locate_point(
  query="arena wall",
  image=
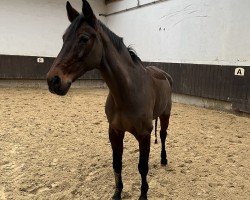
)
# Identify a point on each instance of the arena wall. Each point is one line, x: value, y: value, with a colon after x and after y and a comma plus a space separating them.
x: 200, y: 43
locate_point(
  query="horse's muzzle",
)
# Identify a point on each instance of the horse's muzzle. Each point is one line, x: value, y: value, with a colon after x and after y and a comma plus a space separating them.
x: 56, y: 86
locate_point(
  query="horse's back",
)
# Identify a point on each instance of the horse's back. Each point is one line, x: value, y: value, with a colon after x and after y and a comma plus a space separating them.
x: 159, y: 74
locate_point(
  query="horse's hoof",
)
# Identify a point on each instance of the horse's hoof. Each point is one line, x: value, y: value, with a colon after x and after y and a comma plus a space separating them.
x: 116, y: 196
x: 164, y: 162
x: 143, y: 198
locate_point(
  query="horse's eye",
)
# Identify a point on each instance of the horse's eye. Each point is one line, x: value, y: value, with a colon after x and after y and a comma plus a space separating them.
x: 84, y: 39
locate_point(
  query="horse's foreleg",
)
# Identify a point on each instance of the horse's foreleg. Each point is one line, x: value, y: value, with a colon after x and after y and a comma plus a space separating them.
x: 144, y: 146
x: 163, y: 134
x: 116, y: 139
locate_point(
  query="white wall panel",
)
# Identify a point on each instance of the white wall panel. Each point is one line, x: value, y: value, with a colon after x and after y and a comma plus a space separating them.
x: 31, y: 27
x: 191, y: 31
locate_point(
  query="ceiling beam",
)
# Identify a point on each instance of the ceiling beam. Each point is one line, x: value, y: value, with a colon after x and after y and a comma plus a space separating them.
x: 110, y: 1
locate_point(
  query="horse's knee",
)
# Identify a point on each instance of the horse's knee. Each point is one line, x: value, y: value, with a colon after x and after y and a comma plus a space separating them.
x: 117, y: 163
x: 143, y: 168
x: 144, y: 145
x: 163, y: 135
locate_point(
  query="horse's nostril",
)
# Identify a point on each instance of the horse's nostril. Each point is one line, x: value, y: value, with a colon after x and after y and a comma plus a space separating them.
x: 56, y: 80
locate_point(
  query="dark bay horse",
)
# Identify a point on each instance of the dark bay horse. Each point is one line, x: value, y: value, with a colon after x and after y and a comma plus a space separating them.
x: 137, y: 94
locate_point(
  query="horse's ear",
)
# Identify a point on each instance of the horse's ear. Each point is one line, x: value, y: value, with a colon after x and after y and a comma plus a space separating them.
x: 72, y: 13
x: 88, y: 12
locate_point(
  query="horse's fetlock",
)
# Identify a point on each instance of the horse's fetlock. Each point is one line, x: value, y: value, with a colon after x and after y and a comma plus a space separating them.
x: 117, y: 195
x: 164, y: 161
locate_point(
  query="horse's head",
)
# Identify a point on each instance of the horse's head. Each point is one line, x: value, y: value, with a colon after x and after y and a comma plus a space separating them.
x: 81, y: 51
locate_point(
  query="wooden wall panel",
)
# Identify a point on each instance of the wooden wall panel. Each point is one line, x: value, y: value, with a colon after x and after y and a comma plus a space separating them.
x: 27, y: 67
x: 208, y: 81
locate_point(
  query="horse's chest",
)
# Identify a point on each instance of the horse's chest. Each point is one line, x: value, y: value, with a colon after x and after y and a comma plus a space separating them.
x: 121, y: 121
x: 130, y: 118
x: 132, y: 123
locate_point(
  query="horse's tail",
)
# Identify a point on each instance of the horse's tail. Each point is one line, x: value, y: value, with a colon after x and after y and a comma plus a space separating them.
x: 156, y: 120
x: 170, y: 79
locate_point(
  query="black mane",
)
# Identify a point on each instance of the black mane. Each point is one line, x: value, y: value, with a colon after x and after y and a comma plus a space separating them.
x: 118, y: 43
x: 134, y: 55
x: 115, y: 39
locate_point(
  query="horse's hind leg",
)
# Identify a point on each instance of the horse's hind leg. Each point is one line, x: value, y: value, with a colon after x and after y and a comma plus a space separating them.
x: 116, y: 139
x: 163, y: 134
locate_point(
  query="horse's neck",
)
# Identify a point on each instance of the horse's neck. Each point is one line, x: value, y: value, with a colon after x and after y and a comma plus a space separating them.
x: 118, y: 73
